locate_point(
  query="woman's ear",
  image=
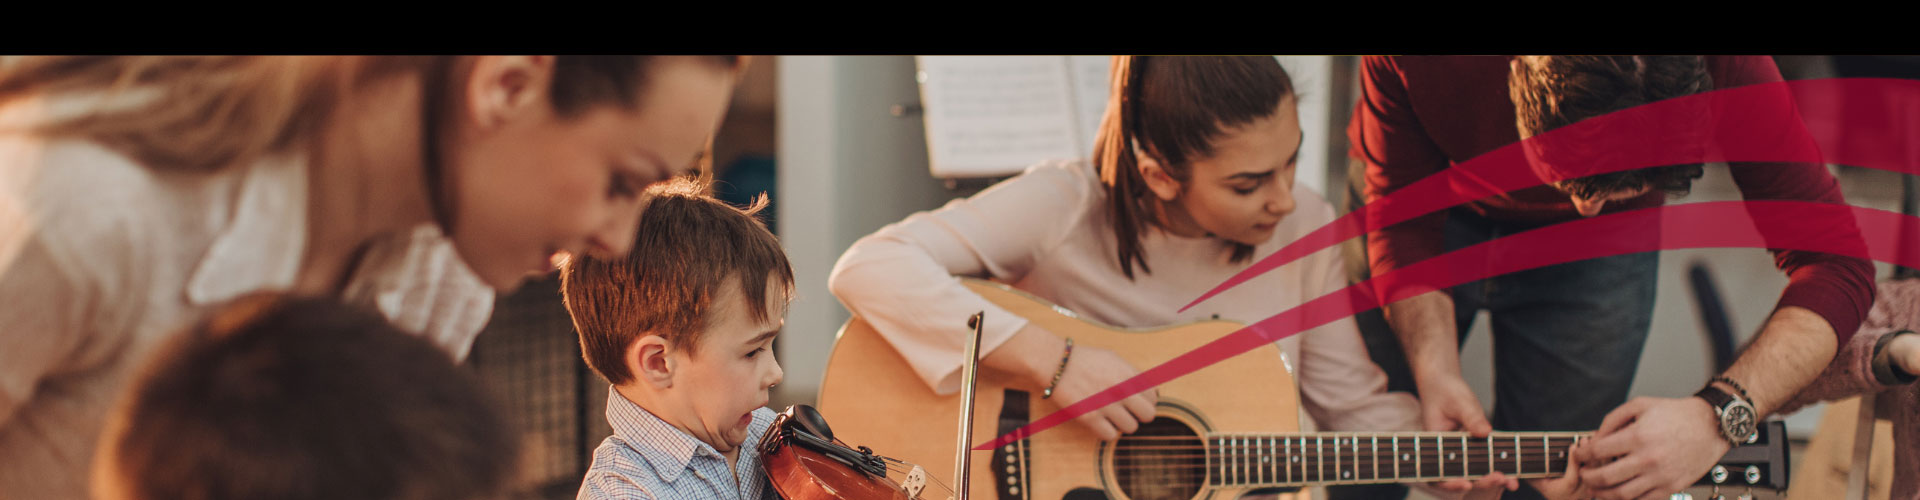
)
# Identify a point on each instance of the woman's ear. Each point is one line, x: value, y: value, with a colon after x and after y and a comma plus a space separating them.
x: 503, y: 88
x: 1163, y: 185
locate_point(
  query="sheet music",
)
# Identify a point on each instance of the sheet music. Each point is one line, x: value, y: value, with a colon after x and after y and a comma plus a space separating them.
x: 995, y: 115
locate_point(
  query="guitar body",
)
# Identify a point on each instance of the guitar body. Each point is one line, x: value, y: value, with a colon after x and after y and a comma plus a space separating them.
x: 874, y: 399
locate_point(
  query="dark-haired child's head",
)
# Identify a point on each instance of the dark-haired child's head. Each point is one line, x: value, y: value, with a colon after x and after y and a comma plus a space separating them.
x: 295, y: 398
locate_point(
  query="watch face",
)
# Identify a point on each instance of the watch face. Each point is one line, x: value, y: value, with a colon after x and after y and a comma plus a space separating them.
x: 1739, y: 424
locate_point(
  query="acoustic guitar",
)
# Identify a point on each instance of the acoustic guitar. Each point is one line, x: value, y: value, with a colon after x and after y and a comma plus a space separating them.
x: 1223, y: 431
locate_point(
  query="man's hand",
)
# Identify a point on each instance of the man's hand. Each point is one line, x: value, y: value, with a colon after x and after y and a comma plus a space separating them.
x: 1447, y: 404
x: 1652, y: 447
x: 1486, y: 488
x: 1566, y: 487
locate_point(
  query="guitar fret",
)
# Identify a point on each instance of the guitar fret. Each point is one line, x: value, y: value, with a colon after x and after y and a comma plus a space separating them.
x: 1266, y: 460
x: 1279, y: 459
x: 1352, y: 470
x: 1569, y: 456
x: 1299, y: 459
x: 1226, y: 464
x: 1417, y: 473
x: 1319, y: 459
x: 1546, y: 454
x: 1273, y: 459
x: 1518, y: 468
x: 1396, y: 456
x: 1337, y: 474
x: 1490, y: 468
x: 1226, y: 461
x: 1375, y: 455
x: 1247, y: 464
x: 1222, y: 442
x: 1464, y: 469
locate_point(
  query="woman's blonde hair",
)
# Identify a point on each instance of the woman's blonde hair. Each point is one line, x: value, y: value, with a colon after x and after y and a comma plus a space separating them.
x: 205, y: 112
x: 209, y: 112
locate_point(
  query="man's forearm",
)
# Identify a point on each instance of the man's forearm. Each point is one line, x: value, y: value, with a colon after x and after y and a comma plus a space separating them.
x: 1425, y: 325
x: 1794, y: 347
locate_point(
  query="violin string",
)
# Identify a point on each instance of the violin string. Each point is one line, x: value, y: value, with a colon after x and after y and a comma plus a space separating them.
x: 903, y: 467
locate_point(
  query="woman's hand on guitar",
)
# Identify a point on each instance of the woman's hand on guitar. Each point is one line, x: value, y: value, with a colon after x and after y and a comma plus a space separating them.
x: 1034, y: 354
x: 1092, y: 370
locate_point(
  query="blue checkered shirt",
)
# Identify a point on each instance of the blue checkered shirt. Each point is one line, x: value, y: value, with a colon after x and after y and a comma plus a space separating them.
x: 647, y: 458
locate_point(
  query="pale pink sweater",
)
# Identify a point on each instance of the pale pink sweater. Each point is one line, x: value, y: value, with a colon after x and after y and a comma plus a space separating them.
x: 1047, y: 233
x: 1896, y: 308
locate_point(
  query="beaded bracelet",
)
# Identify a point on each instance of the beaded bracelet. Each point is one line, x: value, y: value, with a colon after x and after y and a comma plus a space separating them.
x: 1062, y: 370
x: 1735, y: 385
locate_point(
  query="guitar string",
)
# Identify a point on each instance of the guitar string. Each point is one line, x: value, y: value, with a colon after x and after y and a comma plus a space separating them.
x: 1296, y: 470
x: 1277, y: 447
x: 1311, y: 477
x: 1471, y: 459
x: 1527, y: 439
x: 1153, y: 451
x: 1384, y: 456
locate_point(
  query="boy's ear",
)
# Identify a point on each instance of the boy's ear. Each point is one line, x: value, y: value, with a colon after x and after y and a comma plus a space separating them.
x: 650, y: 359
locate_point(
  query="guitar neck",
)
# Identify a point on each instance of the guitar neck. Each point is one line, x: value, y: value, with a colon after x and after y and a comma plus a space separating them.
x: 1310, y: 459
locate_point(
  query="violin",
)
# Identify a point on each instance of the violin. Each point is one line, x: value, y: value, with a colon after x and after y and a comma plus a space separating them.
x: 804, y: 462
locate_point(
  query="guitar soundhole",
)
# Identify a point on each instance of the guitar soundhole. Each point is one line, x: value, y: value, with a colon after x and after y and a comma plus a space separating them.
x: 1164, y: 460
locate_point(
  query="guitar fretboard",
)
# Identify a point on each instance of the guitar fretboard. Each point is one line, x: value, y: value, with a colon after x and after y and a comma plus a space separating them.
x: 1259, y: 460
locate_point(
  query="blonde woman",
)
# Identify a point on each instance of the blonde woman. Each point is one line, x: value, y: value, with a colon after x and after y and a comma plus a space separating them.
x: 136, y: 192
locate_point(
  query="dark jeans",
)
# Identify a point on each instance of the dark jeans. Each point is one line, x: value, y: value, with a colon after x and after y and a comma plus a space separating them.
x: 1566, y: 339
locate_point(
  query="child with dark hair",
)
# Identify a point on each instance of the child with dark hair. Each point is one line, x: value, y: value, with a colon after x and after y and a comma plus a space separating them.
x: 303, y: 398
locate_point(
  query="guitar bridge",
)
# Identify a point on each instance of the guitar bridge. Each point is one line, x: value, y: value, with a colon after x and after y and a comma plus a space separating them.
x: 1009, y: 465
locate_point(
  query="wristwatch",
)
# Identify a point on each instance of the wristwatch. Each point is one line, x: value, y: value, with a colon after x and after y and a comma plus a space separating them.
x: 1739, y: 424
